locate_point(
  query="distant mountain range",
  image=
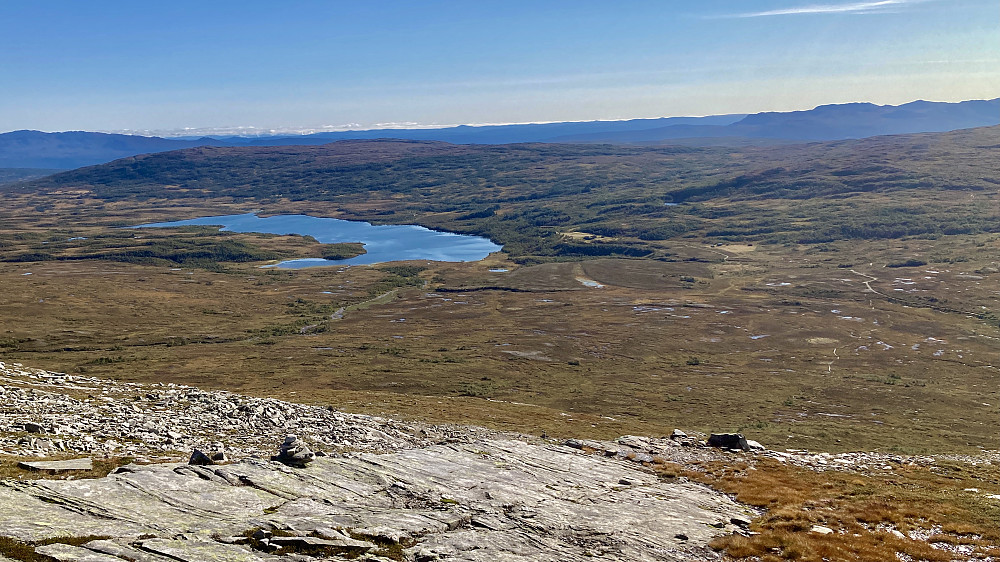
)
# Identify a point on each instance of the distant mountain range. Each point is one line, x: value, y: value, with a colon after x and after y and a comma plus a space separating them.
x: 824, y: 123
x: 34, y: 149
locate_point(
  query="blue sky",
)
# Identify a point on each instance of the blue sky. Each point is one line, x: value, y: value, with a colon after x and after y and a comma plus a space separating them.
x: 204, y: 65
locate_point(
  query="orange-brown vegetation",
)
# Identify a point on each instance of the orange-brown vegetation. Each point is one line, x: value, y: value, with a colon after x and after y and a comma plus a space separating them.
x: 916, y: 511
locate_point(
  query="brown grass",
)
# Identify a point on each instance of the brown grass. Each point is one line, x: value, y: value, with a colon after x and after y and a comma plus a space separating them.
x: 862, y: 510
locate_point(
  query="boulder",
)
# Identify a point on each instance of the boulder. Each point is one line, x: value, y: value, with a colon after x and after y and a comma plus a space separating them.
x: 200, y: 458
x: 728, y: 441
x: 32, y: 427
x: 216, y: 455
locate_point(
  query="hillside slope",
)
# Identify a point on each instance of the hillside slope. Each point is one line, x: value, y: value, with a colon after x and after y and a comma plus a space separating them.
x: 521, y: 195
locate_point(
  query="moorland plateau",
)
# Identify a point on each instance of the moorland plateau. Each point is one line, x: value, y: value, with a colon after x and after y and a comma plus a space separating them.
x: 832, y: 295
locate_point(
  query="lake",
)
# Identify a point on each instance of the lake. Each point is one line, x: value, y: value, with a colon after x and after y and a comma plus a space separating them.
x: 383, y: 242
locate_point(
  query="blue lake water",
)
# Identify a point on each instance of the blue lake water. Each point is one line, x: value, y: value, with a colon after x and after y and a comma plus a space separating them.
x: 383, y: 242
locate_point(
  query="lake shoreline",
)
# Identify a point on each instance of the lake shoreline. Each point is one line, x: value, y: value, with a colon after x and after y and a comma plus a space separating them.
x: 382, y: 243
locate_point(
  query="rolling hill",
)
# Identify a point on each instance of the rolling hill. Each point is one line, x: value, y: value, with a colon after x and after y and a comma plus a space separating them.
x: 522, y: 195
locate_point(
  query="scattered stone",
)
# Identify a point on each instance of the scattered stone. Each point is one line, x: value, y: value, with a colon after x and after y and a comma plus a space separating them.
x: 166, y: 421
x: 678, y: 434
x: 821, y: 530
x: 54, y: 467
x: 728, y: 441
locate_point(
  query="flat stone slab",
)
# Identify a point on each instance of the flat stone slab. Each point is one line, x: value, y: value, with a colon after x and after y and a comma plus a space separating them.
x: 70, y: 553
x: 86, y: 463
x: 339, y: 546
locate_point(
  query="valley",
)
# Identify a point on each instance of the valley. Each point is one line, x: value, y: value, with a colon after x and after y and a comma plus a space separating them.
x: 751, y: 311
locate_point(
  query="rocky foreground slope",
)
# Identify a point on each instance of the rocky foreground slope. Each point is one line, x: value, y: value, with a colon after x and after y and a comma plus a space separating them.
x: 377, y: 489
x: 380, y: 489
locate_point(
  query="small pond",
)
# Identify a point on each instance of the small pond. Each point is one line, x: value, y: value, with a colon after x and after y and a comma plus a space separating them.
x: 384, y: 243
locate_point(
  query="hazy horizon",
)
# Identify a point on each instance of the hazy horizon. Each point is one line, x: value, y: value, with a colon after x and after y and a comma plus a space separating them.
x: 250, y: 131
x: 184, y: 68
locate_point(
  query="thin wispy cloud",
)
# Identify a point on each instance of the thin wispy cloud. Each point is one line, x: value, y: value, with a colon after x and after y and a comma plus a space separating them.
x: 880, y: 6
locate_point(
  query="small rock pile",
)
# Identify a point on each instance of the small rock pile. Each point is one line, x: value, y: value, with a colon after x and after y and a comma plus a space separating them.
x: 294, y: 452
x: 44, y: 413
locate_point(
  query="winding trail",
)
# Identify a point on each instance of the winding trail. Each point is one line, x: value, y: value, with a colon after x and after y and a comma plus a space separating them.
x: 868, y: 283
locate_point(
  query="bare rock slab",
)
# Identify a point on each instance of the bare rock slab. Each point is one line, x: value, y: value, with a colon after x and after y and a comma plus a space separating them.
x: 489, y: 500
x: 202, y: 551
x: 58, y: 466
x: 70, y: 553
